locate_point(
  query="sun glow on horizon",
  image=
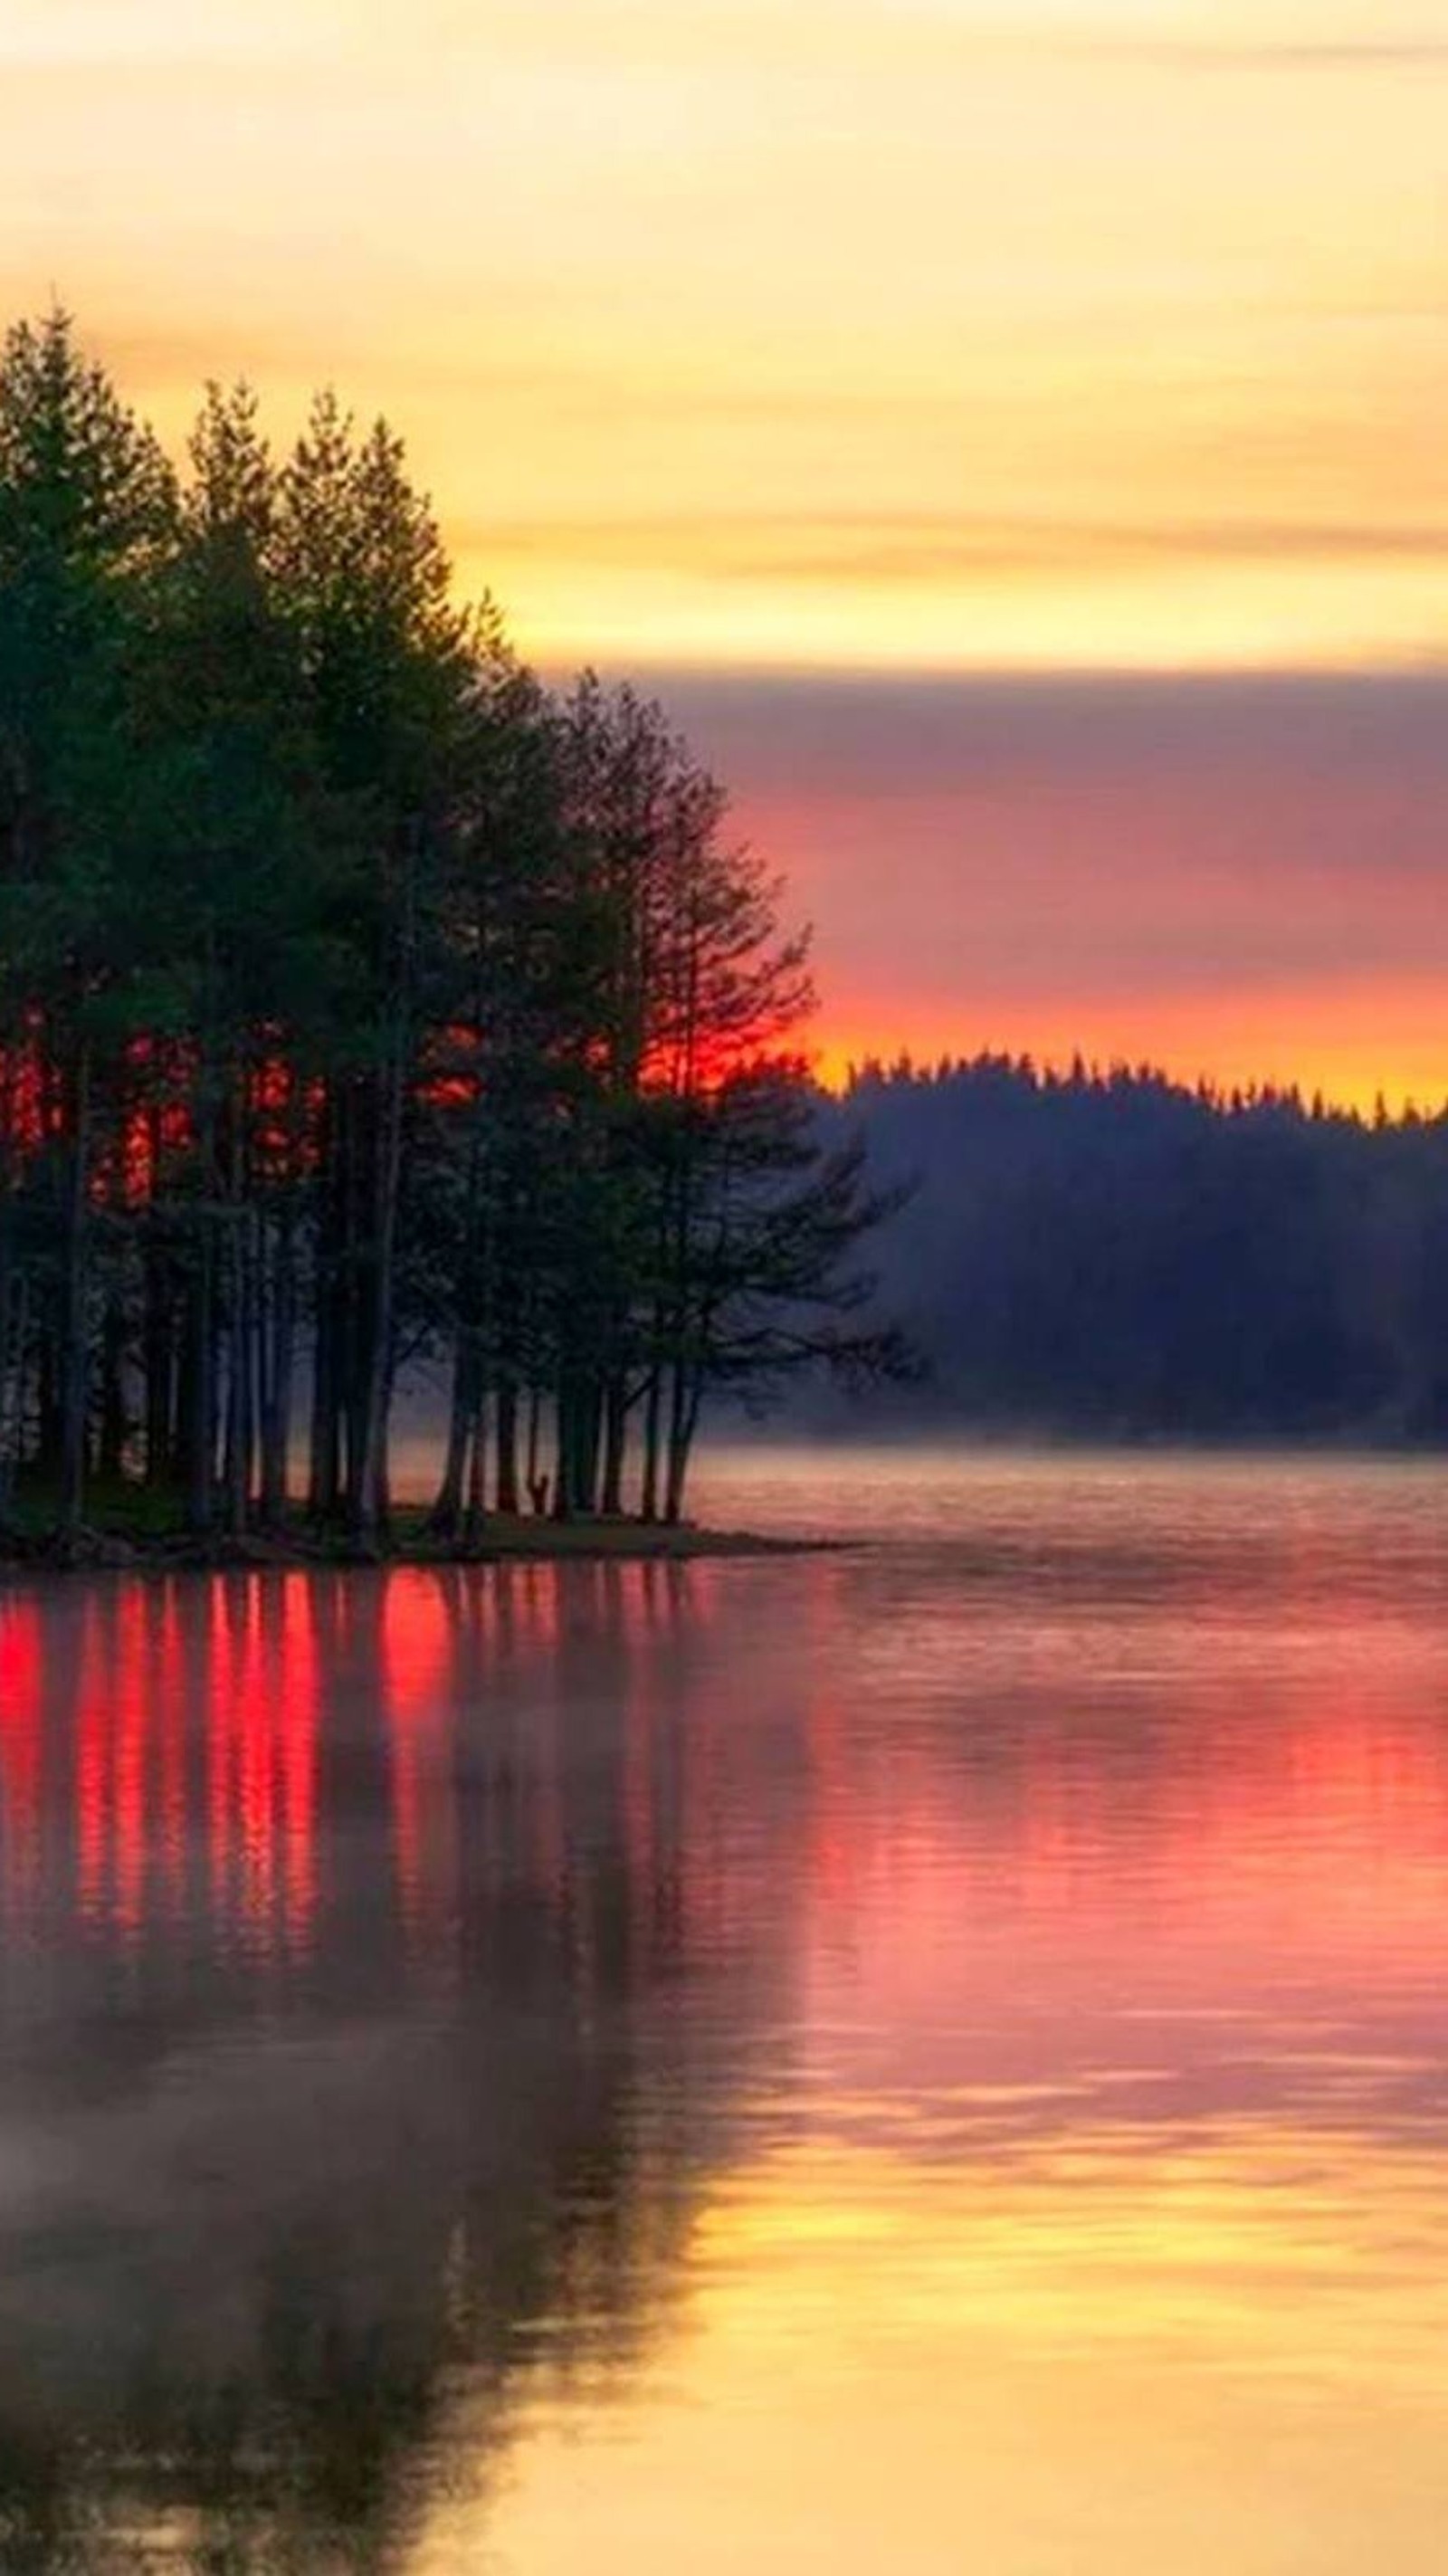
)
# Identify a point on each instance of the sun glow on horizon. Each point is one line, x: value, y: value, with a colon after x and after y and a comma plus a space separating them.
x: 1292, y: 1051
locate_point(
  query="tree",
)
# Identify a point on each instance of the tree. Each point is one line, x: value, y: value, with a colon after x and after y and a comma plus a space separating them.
x: 361, y: 1004
x: 87, y: 507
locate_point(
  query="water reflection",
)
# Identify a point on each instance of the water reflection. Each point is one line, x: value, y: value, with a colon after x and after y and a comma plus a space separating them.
x: 472, y: 2042
x: 336, y: 1909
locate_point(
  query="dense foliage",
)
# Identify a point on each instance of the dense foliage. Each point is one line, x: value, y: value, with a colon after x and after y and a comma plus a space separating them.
x: 362, y: 1007
x: 1111, y: 1254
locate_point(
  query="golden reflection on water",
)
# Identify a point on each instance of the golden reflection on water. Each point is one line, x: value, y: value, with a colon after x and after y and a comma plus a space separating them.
x: 1132, y: 2355
x: 923, y: 2059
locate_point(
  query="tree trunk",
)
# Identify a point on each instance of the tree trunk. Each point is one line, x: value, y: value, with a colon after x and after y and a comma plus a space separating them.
x: 653, y: 1433
x: 615, y: 1446
x: 683, y: 1419
x: 239, y: 1341
x: 158, y: 1365
x: 47, y: 1407
x: 199, y: 1386
x: 477, y: 1511
x: 447, y: 1510
x: 324, y: 1476
x: 277, y: 1410
x: 74, y: 1388
x: 14, y: 1320
x: 198, y: 1392
x: 369, y: 1467
x: 234, y: 1454
x: 537, y: 1480
x: 356, y: 1308
x: 324, y: 1464
x: 115, y: 1427
x: 565, y: 1425
x: 507, y: 1439
x: 590, y: 1443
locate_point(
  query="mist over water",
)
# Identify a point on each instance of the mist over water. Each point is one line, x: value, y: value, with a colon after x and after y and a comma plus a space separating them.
x: 920, y: 2056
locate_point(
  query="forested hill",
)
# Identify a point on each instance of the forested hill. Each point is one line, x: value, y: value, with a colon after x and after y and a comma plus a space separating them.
x: 1113, y: 1254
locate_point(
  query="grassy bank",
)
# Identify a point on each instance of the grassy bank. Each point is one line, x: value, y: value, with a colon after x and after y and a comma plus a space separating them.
x: 128, y: 1528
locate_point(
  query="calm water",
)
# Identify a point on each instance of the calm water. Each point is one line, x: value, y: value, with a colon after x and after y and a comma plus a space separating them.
x: 926, y: 2059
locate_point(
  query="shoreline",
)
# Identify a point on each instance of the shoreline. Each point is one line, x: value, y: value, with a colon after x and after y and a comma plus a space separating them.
x: 503, y: 1540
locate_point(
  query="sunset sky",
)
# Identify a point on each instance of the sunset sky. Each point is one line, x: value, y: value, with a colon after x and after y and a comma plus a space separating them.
x: 1012, y: 435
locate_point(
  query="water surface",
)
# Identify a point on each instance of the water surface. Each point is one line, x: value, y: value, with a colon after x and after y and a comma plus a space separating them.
x: 925, y: 2058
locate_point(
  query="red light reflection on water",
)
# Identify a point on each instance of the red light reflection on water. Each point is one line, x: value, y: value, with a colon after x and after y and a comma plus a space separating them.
x: 262, y: 1701
x: 417, y: 1656
x: 21, y: 1743
x: 540, y: 1728
x: 185, y: 1720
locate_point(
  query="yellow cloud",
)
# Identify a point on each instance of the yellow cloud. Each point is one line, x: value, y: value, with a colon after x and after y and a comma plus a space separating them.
x: 1048, y: 270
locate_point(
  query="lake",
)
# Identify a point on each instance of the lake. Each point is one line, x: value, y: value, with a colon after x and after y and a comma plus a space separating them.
x: 927, y: 2057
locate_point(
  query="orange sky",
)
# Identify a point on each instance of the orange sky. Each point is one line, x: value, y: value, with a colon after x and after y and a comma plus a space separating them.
x: 1242, y: 877
x: 881, y: 336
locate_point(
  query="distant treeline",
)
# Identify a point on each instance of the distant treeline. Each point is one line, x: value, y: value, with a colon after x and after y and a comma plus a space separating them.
x: 1111, y: 1254
x: 363, y: 1008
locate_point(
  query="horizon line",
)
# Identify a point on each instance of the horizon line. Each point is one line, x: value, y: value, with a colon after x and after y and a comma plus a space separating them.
x: 1428, y: 667
x: 1381, y: 1107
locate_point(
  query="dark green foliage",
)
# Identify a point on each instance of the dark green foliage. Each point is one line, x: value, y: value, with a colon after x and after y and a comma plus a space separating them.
x: 1114, y: 1255
x: 362, y: 1008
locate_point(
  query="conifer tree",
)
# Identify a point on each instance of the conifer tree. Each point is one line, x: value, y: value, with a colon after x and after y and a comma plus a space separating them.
x: 362, y: 1007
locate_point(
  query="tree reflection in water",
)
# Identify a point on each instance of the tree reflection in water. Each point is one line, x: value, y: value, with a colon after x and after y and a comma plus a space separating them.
x: 342, y: 1919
